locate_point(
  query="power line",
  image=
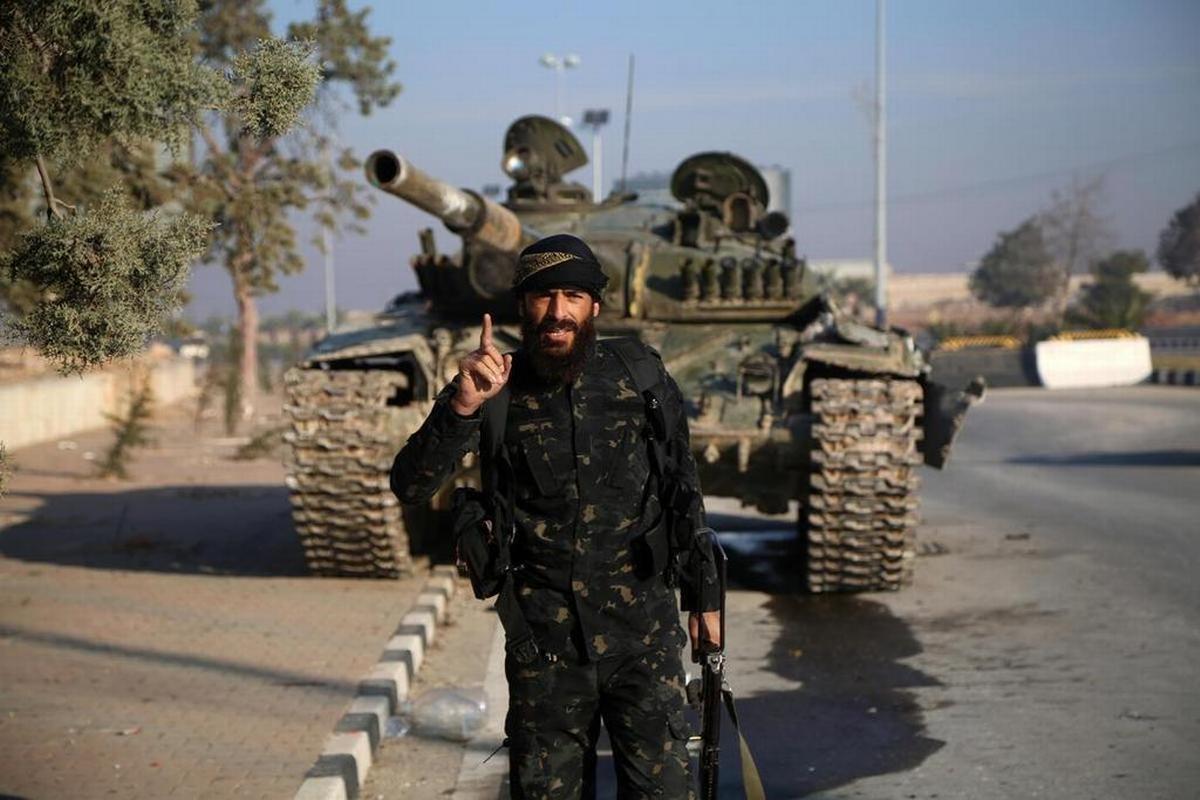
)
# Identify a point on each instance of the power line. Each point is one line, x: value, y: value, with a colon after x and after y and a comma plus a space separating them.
x: 983, y: 187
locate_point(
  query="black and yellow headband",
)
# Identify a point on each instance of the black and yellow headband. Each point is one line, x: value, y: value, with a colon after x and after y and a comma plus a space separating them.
x: 557, y: 261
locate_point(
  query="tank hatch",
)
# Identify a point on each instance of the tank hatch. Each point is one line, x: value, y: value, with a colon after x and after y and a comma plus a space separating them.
x: 538, y: 152
x: 711, y: 181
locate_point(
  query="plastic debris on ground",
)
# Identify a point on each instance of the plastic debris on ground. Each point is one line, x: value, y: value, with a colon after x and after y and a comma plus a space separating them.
x: 447, y: 713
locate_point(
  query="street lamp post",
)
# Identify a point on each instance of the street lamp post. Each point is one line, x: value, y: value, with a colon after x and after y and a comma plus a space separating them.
x: 559, y: 64
x: 881, y: 311
x: 596, y: 118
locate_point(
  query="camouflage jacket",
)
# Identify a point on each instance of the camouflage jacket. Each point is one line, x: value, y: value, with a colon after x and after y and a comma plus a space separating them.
x: 590, y: 543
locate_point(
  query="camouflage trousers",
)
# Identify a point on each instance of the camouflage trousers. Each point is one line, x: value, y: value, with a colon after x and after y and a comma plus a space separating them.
x: 554, y: 714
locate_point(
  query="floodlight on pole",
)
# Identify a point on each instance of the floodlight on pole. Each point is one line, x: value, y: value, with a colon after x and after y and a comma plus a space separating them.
x: 559, y: 64
x: 596, y: 118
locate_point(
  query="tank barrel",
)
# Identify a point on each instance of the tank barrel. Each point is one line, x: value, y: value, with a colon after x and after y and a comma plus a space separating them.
x: 463, y: 211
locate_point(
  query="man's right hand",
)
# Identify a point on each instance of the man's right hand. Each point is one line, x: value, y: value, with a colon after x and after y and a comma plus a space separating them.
x: 481, y: 374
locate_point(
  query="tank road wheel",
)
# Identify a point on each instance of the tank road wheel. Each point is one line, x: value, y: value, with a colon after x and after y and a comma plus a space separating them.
x: 860, y: 520
x: 344, y: 435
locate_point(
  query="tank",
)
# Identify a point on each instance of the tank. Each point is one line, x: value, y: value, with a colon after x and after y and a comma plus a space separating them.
x: 789, y: 398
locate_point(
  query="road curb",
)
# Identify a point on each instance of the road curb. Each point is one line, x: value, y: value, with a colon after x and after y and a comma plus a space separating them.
x: 341, y: 769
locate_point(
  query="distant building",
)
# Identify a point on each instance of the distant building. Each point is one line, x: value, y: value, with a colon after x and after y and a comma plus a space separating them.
x: 194, y: 346
x: 844, y: 268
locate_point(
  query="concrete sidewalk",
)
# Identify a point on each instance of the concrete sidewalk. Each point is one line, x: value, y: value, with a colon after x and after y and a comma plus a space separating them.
x: 158, y: 637
x: 468, y: 654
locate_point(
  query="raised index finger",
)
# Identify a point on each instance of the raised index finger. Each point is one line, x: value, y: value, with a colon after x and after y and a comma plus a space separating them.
x: 485, y: 336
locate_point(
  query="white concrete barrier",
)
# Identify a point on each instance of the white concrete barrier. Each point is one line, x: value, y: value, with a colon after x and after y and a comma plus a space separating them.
x: 1088, y: 363
x: 54, y: 406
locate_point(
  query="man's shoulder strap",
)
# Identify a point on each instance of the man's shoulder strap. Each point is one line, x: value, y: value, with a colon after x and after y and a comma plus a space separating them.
x: 520, y: 641
x: 641, y: 361
x: 644, y: 365
x: 491, y: 436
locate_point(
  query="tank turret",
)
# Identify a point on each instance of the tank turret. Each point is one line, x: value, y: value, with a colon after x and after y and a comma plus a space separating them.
x: 538, y: 153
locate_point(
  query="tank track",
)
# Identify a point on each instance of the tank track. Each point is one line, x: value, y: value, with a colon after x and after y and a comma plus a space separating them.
x: 860, y: 521
x: 341, y: 443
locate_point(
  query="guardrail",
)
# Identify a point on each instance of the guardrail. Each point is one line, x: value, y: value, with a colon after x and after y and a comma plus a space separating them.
x: 952, y: 344
x: 1177, y: 338
x: 1000, y: 366
x: 1176, y: 377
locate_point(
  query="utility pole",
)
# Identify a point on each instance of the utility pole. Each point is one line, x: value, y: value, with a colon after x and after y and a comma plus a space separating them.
x: 880, y: 169
x: 628, y: 117
x: 596, y: 118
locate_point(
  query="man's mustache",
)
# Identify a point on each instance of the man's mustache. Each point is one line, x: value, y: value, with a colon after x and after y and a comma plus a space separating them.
x: 555, y: 325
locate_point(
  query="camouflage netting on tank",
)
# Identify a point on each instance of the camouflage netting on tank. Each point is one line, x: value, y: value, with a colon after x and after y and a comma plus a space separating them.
x: 347, y: 518
x: 861, y: 519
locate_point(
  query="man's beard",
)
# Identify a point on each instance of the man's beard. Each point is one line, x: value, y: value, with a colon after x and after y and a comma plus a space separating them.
x: 558, y: 369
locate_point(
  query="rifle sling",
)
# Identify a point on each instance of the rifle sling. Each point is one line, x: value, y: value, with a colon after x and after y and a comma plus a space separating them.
x: 751, y: 781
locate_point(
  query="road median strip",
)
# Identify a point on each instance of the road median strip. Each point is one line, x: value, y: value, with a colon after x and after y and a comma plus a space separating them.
x: 342, y: 767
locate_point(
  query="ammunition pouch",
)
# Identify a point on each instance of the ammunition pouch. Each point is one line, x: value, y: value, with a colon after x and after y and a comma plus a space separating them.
x: 477, y: 549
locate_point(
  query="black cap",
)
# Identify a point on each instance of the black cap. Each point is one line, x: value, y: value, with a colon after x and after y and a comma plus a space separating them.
x: 557, y: 261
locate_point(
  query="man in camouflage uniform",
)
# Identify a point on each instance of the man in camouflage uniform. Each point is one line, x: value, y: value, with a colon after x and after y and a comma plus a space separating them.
x: 590, y: 545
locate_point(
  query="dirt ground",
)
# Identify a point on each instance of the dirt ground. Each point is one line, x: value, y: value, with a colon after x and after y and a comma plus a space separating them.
x: 159, y: 637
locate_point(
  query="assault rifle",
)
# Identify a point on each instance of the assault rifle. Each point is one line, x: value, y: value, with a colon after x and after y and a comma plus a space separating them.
x: 710, y: 692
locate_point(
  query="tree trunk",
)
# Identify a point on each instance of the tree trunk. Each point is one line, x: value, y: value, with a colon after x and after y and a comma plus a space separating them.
x: 1062, y: 297
x: 248, y: 337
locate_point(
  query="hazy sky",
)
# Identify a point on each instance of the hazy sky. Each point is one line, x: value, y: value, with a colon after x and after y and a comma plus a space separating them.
x: 991, y: 106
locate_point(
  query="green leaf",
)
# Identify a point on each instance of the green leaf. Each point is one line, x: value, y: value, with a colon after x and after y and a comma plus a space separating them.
x: 108, y: 280
x: 77, y: 72
x: 273, y: 85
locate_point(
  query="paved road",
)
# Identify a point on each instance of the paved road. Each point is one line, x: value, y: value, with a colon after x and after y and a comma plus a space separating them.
x: 1048, y: 647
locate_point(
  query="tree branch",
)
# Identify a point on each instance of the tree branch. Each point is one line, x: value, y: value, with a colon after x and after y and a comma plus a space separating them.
x: 214, y: 149
x: 52, y: 202
x: 210, y: 140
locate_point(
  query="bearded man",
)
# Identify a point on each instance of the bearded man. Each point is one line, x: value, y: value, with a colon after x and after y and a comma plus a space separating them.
x: 591, y: 580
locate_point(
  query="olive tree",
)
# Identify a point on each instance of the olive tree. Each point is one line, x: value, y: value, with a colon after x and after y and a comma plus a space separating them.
x: 1111, y: 299
x: 1018, y: 271
x: 1179, y: 244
